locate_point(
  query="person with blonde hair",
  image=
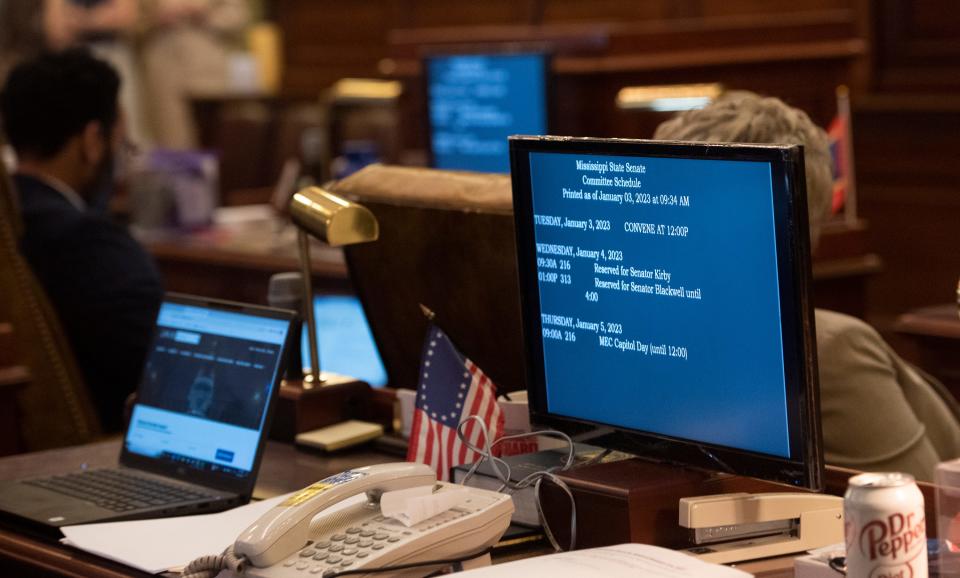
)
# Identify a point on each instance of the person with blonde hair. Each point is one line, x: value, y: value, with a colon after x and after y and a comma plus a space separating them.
x: 185, y: 50
x: 877, y: 411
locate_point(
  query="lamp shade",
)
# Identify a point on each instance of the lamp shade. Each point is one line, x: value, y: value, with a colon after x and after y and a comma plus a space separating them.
x: 332, y: 219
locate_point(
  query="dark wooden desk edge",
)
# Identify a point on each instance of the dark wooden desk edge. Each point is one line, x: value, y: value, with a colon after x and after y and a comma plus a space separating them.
x: 57, y: 559
x: 284, y: 469
x: 238, y: 258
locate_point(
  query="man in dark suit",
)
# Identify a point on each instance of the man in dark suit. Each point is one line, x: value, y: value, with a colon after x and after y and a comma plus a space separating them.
x: 60, y: 115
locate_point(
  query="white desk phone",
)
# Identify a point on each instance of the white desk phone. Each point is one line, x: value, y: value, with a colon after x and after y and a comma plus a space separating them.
x: 284, y: 543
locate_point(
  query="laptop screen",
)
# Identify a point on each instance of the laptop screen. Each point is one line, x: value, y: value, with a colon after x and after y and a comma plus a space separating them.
x: 208, y: 381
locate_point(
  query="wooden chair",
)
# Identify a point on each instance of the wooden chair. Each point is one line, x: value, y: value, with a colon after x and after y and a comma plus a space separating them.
x: 53, y: 406
x: 13, y: 379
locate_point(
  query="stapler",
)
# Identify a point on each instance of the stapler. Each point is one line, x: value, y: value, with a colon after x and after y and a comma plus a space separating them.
x: 740, y: 526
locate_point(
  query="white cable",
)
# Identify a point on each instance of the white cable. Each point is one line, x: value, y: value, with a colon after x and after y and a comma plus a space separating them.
x: 535, y: 478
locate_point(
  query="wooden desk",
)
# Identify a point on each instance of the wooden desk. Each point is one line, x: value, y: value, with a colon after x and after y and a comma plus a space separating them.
x: 930, y: 338
x: 236, y: 262
x: 284, y: 469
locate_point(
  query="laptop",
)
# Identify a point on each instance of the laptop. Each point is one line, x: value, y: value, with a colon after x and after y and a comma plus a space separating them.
x: 197, y: 431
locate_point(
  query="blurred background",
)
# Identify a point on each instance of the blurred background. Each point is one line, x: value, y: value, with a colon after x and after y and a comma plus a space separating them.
x: 236, y: 103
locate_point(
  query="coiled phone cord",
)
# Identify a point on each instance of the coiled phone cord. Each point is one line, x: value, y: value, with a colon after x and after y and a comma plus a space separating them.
x: 211, y: 565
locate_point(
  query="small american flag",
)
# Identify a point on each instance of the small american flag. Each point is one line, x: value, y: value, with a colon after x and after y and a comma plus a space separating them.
x: 451, y: 389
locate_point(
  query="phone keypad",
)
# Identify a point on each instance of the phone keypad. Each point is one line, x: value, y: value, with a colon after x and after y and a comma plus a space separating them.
x: 365, y: 541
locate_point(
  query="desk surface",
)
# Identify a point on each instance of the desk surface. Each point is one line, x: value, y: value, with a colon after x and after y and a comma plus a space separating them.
x: 937, y: 321
x: 236, y: 261
x: 284, y: 469
x: 257, y: 246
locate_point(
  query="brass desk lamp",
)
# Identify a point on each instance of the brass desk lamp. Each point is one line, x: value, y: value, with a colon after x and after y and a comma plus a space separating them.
x: 336, y: 222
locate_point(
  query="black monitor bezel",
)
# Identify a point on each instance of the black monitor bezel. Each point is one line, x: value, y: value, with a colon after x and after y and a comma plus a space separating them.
x: 483, y: 50
x: 242, y: 486
x: 805, y: 466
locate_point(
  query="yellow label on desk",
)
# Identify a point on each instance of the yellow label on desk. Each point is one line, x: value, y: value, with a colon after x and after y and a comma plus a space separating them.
x: 320, y: 487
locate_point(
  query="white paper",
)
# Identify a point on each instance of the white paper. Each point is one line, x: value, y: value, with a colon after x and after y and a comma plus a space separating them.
x: 171, y: 543
x: 243, y: 214
x: 414, y: 505
x: 623, y: 561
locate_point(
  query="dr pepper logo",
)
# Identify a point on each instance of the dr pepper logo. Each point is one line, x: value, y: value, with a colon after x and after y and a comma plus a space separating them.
x: 892, y: 538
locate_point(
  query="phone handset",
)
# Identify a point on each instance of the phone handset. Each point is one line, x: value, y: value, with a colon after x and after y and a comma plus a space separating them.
x: 285, y: 527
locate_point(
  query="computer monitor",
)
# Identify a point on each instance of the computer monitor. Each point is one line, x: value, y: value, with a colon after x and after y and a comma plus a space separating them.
x: 476, y: 101
x: 665, y: 302
x: 344, y: 339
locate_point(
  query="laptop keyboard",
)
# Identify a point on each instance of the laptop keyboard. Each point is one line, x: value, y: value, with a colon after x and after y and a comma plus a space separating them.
x: 117, y: 490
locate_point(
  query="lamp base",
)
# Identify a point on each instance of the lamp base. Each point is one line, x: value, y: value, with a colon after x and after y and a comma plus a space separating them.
x: 303, y: 406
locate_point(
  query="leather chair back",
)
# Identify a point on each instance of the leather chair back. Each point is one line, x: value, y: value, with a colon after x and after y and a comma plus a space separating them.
x: 447, y: 242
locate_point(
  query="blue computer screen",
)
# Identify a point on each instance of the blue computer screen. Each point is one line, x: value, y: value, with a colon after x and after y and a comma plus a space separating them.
x: 206, y: 387
x: 659, y: 296
x: 345, y: 341
x: 477, y: 101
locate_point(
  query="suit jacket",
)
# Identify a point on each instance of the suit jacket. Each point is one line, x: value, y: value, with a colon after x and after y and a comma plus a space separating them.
x: 103, y: 285
x: 878, y: 412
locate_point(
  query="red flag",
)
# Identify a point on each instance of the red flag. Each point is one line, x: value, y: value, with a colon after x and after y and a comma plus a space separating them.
x: 840, y: 134
x: 451, y: 389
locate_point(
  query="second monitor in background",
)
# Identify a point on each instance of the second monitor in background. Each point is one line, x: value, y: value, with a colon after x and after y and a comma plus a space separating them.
x: 344, y: 339
x: 476, y: 101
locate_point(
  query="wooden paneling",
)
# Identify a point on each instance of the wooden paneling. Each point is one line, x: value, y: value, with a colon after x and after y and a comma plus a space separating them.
x: 918, y: 46
x: 909, y: 190
x: 433, y: 13
x: 901, y: 59
x: 325, y: 40
x: 801, y: 57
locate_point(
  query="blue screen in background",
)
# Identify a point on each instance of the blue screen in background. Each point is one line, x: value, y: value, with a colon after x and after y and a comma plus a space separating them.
x: 345, y: 341
x: 659, y: 296
x: 477, y: 101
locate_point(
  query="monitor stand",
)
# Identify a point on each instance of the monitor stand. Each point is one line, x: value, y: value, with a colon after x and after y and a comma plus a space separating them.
x: 635, y: 500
